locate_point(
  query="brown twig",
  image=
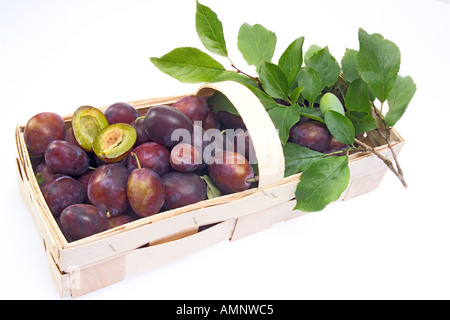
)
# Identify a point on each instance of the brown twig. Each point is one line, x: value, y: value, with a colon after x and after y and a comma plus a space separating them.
x: 375, y: 110
x: 246, y: 74
x: 394, y: 155
x: 385, y: 160
x: 387, y: 138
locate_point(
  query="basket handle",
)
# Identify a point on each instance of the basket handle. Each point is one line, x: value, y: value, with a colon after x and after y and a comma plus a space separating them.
x: 266, y: 141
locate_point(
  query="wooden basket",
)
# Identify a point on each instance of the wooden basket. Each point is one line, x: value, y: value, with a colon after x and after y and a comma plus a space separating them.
x: 91, y: 263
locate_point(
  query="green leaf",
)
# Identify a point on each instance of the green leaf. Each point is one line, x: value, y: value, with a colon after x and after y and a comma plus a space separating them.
x: 292, y: 59
x: 298, y: 158
x: 312, y: 113
x: 295, y: 95
x: 40, y: 179
x: 357, y: 97
x: 274, y: 81
x: 220, y: 102
x: 399, y: 99
x: 378, y: 63
x: 189, y: 65
x: 210, y: 30
x: 211, y: 189
x: 340, y: 127
x: 311, y: 50
x: 266, y: 100
x: 349, y: 65
x: 237, y: 77
x: 362, y: 122
x: 326, y: 66
x: 284, y: 118
x: 256, y: 43
x: 310, y: 81
x: 322, y: 183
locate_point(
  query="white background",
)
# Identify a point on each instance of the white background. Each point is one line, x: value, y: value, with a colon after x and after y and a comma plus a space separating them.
x: 389, y: 244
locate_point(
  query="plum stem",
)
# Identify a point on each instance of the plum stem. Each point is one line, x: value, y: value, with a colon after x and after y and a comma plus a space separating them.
x: 137, y: 159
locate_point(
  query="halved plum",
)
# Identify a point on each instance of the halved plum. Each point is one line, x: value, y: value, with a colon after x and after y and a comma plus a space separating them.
x: 87, y: 122
x: 114, y: 142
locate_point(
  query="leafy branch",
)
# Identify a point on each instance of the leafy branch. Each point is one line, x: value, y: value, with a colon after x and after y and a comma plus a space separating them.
x: 307, y: 85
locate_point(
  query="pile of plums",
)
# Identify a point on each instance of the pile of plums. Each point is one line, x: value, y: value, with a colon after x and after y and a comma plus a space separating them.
x: 105, y: 169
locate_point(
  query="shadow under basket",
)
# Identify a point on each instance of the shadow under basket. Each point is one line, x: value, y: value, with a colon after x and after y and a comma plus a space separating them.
x: 86, y: 265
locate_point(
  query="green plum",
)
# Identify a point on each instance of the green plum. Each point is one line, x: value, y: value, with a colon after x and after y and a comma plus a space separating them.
x: 330, y: 102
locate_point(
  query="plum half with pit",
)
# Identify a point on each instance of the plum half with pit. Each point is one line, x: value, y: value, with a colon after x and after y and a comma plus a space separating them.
x: 114, y: 142
x: 231, y: 172
x: 42, y: 129
x: 79, y: 221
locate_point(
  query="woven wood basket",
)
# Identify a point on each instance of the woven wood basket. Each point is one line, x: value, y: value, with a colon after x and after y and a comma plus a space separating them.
x: 91, y: 263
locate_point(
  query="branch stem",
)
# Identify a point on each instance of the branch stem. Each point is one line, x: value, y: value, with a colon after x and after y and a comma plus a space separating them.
x: 385, y: 160
x: 246, y: 74
x: 384, y: 128
x: 376, y: 111
x: 394, y: 155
